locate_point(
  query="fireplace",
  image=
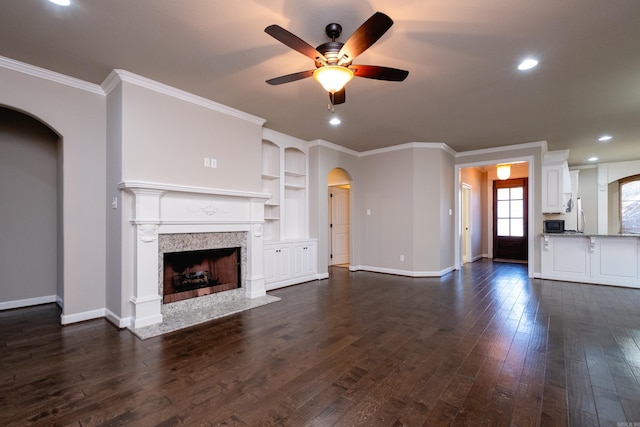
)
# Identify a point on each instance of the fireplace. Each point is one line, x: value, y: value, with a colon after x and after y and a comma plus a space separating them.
x: 191, y: 274
x: 175, y: 218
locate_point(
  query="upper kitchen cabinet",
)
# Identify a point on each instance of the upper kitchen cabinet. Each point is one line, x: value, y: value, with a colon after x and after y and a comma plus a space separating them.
x: 556, y: 182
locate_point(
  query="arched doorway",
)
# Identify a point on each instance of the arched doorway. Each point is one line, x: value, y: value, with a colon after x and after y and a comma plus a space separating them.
x: 30, y: 210
x: 339, y: 183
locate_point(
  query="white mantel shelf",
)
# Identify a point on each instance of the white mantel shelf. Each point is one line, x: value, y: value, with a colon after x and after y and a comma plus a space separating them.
x: 157, y: 186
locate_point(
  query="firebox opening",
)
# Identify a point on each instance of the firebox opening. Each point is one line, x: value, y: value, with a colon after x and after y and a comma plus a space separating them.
x: 192, y: 274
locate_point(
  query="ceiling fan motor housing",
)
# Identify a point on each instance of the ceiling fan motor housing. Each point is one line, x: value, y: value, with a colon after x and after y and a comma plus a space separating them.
x: 330, y: 51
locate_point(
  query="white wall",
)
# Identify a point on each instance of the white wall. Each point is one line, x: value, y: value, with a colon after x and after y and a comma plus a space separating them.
x: 76, y: 111
x: 28, y: 208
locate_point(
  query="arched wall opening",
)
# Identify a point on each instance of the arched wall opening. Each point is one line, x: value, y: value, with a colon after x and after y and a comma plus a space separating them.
x: 31, y: 211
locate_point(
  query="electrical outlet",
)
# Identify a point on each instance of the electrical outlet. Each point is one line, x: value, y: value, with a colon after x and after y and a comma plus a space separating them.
x: 401, y: 257
x: 207, y: 162
x: 214, y: 163
x: 114, y: 203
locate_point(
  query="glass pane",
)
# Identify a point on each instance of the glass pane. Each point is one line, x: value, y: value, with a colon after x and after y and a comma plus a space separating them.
x: 503, y: 227
x: 630, y: 190
x: 503, y: 209
x: 630, y: 207
x: 503, y: 194
x: 517, y: 209
x: 517, y: 193
x: 630, y: 216
x: 517, y: 227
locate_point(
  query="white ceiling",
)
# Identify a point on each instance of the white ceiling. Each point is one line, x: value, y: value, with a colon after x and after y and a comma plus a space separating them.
x: 463, y: 88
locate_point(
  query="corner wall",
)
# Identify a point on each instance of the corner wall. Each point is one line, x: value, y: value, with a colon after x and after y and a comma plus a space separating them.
x: 77, y: 112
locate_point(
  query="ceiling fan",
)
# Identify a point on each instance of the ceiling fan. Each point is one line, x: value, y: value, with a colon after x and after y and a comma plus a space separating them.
x: 333, y: 60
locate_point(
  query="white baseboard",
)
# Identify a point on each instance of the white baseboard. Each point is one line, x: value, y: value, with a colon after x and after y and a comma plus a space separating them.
x: 323, y: 276
x: 7, y: 305
x: 120, y: 322
x: 401, y: 272
x: 66, y: 319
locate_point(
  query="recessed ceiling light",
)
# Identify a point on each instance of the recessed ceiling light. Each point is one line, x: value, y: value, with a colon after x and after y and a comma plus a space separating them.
x: 335, y: 121
x: 61, y: 2
x: 605, y: 138
x: 527, y: 64
x: 592, y: 159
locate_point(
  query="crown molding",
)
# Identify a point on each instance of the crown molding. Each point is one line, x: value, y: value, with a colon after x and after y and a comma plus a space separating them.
x: 279, y: 137
x: 164, y: 89
x: 535, y: 144
x: 410, y: 145
x: 32, y: 70
x: 331, y: 145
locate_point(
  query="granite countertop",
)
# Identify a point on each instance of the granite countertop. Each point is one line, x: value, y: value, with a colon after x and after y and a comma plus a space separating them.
x: 575, y: 233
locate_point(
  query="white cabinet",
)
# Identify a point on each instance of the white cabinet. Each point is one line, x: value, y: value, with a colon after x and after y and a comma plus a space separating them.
x: 304, y: 258
x: 556, y: 182
x: 605, y: 260
x: 277, y: 262
x: 288, y: 263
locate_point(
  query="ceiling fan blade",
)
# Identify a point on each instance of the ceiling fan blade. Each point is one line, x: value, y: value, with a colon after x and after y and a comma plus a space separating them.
x: 379, y: 73
x: 338, y: 97
x: 290, y: 77
x: 293, y: 41
x: 366, y: 35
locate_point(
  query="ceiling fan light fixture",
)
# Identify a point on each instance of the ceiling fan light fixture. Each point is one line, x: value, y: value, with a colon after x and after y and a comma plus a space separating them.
x: 333, y: 77
x: 503, y: 171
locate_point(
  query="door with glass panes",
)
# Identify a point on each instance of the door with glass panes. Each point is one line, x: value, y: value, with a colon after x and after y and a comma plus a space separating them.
x: 510, y: 219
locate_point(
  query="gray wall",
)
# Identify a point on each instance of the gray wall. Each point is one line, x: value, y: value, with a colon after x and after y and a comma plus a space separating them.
x: 78, y: 115
x: 154, y: 136
x: 28, y: 208
x: 531, y: 152
x: 398, y: 186
x: 477, y: 180
x: 322, y: 159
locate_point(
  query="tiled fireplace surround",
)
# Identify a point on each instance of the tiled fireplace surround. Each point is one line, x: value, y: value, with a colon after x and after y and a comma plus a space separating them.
x: 167, y: 218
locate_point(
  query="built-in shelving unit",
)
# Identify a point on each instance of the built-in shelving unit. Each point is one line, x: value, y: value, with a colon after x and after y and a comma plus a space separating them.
x: 271, y: 183
x: 290, y: 256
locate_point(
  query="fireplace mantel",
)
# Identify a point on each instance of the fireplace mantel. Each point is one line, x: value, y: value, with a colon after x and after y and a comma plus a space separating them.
x: 159, y: 208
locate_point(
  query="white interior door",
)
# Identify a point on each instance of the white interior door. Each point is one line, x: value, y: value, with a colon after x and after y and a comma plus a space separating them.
x: 339, y: 225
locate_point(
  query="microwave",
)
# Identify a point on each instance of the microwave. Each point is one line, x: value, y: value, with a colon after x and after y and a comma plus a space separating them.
x: 554, y: 226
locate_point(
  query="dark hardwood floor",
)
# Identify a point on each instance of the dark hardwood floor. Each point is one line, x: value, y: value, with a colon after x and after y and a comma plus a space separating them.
x: 481, y: 346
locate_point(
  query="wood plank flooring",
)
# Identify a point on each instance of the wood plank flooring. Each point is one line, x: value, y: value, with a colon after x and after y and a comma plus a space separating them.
x: 481, y: 346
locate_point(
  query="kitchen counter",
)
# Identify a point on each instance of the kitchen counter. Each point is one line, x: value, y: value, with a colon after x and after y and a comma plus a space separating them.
x: 604, y: 259
x: 578, y: 234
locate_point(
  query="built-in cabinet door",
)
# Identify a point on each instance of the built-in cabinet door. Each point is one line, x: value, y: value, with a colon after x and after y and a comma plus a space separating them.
x: 309, y: 259
x: 304, y: 259
x: 276, y: 263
